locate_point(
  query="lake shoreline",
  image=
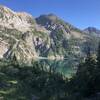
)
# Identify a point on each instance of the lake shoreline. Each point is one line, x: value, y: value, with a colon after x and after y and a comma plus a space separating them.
x: 51, y: 58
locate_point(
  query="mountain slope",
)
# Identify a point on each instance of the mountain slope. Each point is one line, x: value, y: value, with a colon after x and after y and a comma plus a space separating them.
x: 66, y: 39
x: 25, y: 38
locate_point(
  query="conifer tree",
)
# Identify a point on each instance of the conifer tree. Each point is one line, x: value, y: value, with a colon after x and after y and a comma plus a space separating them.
x: 98, y: 56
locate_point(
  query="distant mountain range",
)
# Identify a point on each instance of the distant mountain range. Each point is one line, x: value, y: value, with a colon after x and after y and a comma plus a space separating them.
x: 92, y: 31
x: 25, y: 38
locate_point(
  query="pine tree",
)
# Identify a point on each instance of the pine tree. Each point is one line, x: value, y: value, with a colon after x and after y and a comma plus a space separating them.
x: 97, y: 72
x: 85, y: 76
x: 98, y: 56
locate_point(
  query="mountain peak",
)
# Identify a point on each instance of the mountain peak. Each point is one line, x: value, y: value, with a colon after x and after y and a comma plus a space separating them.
x: 92, y: 30
x: 21, y: 21
x: 47, y: 36
x: 5, y: 9
x: 50, y: 17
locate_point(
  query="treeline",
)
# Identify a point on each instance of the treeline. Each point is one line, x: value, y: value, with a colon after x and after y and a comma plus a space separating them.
x: 86, y: 82
x: 22, y: 82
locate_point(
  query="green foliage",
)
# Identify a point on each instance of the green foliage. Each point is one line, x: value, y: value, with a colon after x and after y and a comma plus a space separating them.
x: 87, y: 79
x: 18, y: 82
x: 21, y: 82
x: 98, y: 56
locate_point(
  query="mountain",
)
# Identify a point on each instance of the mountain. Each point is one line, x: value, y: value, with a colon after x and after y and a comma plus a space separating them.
x: 25, y: 38
x: 93, y: 31
x: 52, y: 23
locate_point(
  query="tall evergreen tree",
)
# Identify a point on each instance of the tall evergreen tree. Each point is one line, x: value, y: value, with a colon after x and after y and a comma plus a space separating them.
x: 97, y: 72
x: 85, y: 83
x: 98, y: 56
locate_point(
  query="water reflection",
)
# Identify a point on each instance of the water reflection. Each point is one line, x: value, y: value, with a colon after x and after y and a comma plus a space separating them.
x: 65, y: 67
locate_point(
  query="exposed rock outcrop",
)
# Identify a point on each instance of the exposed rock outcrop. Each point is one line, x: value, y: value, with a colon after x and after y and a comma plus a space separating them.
x: 22, y: 37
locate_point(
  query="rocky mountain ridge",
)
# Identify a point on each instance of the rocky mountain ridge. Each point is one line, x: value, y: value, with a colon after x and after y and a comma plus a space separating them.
x: 26, y: 38
x: 93, y: 31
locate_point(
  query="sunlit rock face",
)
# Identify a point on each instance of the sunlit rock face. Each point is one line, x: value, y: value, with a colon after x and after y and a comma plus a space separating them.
x: 3, y: 48
x: 14, y: 28
x: 20, y: 21
x: 25, y: 38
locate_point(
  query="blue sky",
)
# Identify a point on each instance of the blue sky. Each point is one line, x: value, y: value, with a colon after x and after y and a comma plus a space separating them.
x: 80, y: 13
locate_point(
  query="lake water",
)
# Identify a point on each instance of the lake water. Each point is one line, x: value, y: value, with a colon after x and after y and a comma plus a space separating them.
x: 19, y: 83
x: 65, y: 67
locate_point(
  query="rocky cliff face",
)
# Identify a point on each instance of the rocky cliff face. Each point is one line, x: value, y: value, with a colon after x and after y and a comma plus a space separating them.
x: 20, y: 21
x: 65, y: 39
x: 24, y: 38
x: 15, y: 30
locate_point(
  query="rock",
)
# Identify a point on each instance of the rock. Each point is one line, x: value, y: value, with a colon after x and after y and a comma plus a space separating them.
x: 24, y: 38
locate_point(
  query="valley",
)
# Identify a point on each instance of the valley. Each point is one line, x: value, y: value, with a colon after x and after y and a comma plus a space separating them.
x: 47, y: 58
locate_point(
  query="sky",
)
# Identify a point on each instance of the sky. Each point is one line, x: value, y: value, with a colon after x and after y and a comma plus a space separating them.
x: 80, y: 13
